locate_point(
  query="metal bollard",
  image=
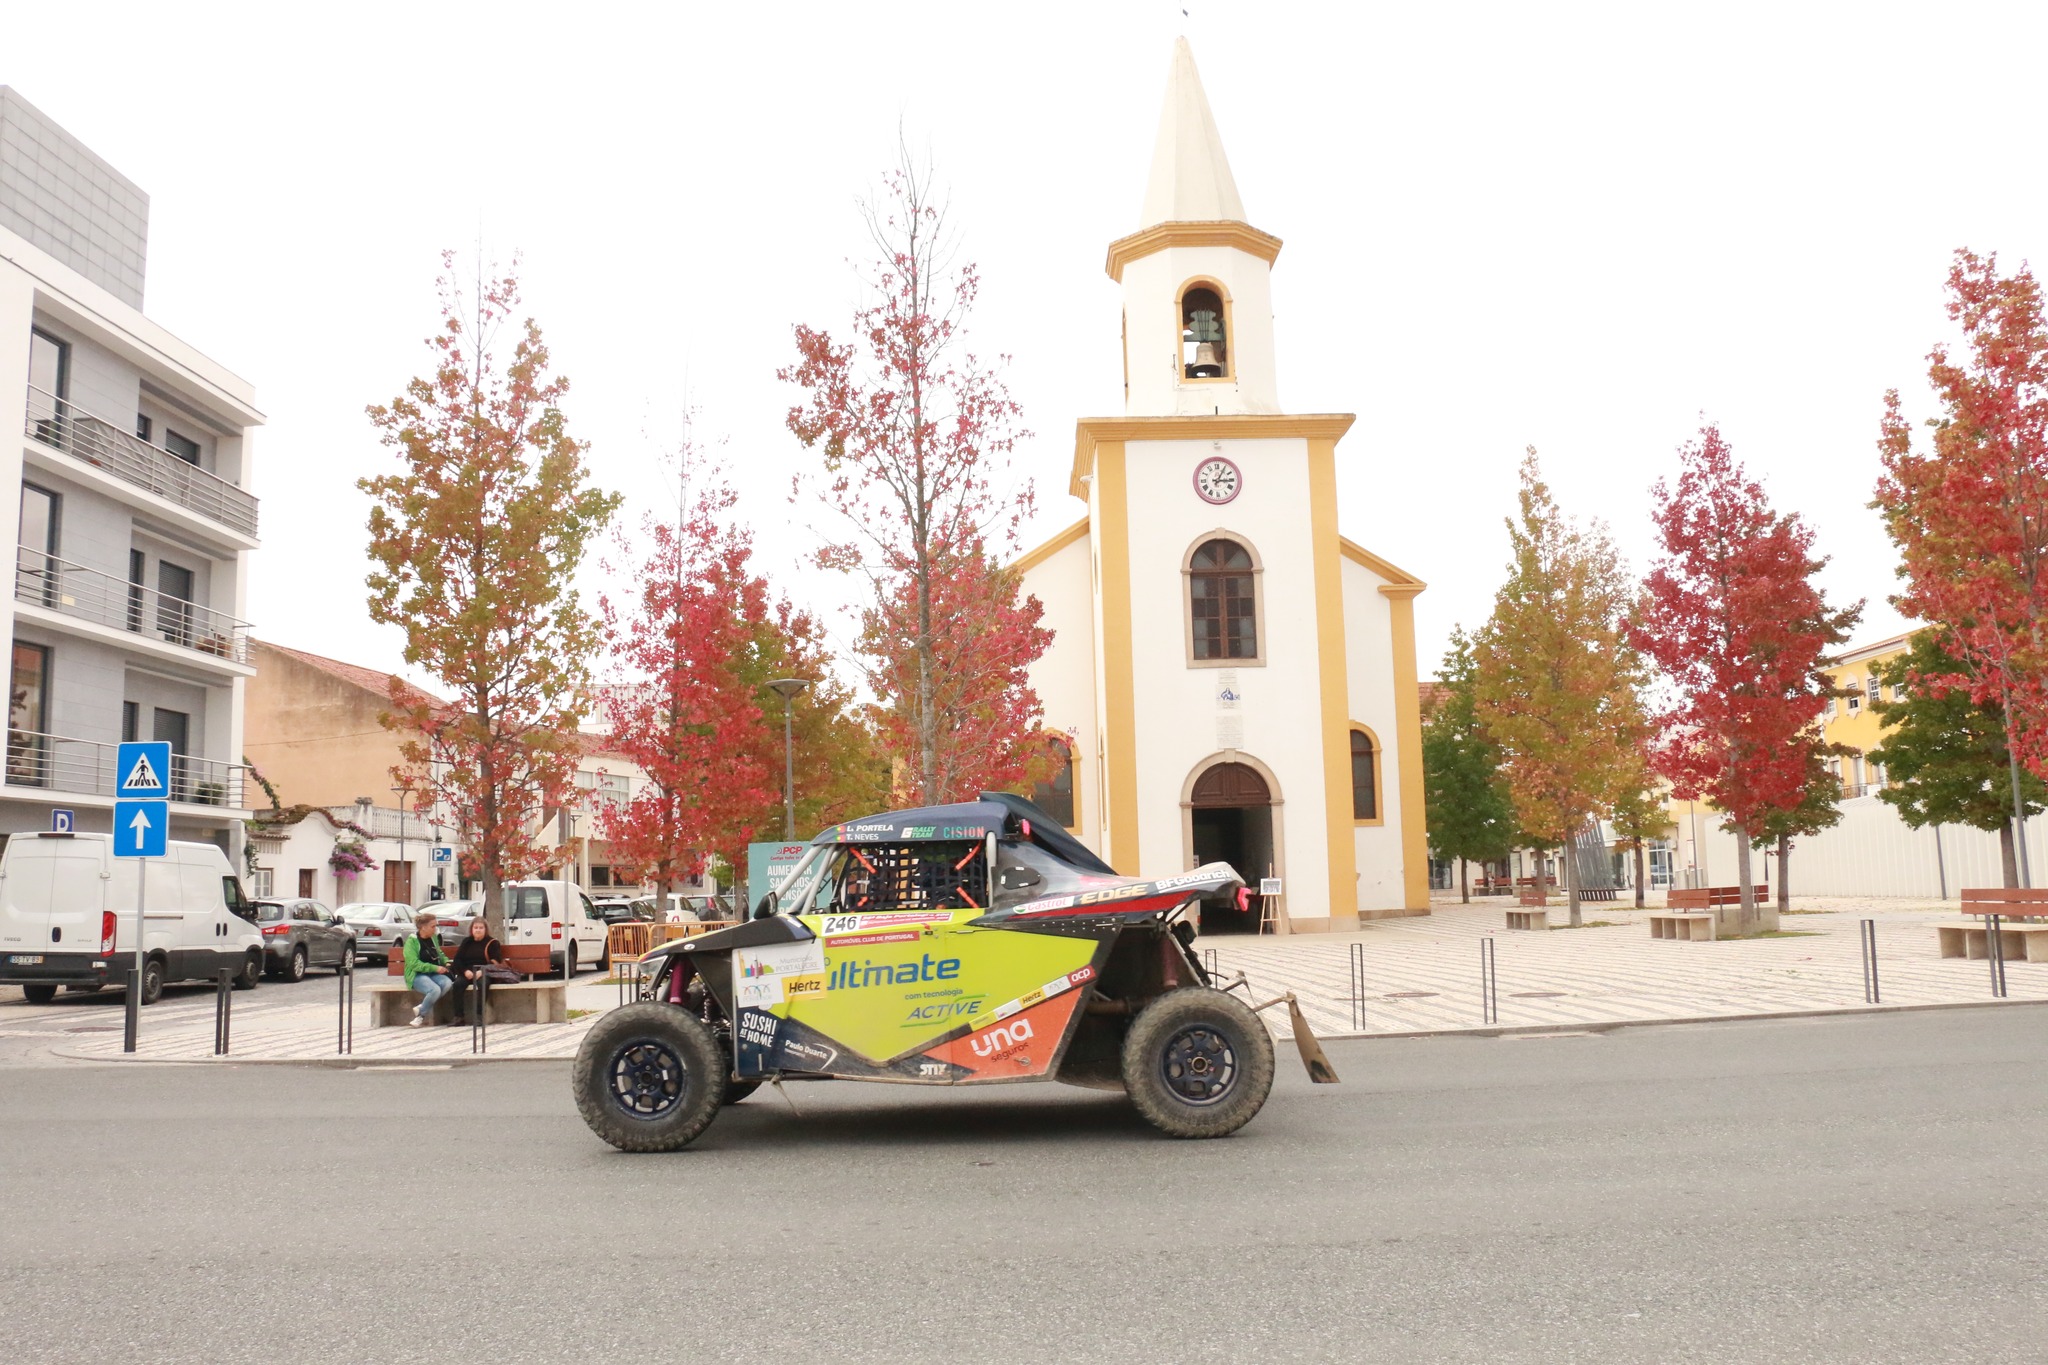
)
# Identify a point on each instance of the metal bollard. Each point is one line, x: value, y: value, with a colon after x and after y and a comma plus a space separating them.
x: 1358, y: 988
x: 1867, y: 931
x: 345, y: 1004
x: 1489, y: 984
x: 223, y: 1011
x: 132, y: 1010
x: 479, y: 1025
x: 1994, y: 951
x: 1210, y: 965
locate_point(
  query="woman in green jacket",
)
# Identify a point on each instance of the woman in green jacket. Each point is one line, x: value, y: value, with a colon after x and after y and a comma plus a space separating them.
x: 426, y: 966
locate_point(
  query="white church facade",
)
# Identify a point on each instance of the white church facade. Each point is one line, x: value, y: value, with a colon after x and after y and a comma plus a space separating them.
x: 1233, y: 678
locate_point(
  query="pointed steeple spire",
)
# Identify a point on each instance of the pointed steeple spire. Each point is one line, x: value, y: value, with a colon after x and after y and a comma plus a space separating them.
x: 1190, y: 175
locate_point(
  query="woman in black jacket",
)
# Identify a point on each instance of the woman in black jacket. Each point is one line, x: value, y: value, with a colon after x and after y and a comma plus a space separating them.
x: 476, y: 951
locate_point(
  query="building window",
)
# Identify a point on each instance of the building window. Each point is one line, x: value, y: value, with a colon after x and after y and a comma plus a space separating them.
x: 35, y: 556
x: 1872, y: 685
x: 174, y: 585
x: 28, y: 701
x: 1204, y: 349
x: 131, y: 722
x: 183, y: 447
x: 1221, y: 602
x: 1855, y: 700
x: 49, y: 364
x: 1365, y: 776
x: 262, y: 880
x: 1056, y: 796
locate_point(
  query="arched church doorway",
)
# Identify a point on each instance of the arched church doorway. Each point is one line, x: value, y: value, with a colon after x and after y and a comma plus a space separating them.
x: 1230, y: 819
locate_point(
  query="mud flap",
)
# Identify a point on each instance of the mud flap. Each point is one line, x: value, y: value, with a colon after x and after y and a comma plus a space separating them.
x: 1319, y: 1069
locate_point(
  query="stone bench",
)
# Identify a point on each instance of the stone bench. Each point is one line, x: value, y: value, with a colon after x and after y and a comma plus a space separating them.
x: 2021, y: 941
x: 1692, y: 927
x: 1528, y: 918
x: 529, y: 1002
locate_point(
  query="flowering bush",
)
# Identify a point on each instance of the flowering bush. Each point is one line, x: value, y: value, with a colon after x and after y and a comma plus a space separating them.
x: 349, y: 859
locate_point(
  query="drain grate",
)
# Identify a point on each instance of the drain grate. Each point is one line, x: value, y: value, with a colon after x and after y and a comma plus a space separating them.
x: 1535, y: 995
x: 1409, y: 995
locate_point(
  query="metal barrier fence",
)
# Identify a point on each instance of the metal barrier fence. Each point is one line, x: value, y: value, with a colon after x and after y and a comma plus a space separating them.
x: 636, y: 938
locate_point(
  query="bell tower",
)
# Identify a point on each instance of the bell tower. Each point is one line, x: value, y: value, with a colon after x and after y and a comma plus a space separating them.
x: 1196, y: 276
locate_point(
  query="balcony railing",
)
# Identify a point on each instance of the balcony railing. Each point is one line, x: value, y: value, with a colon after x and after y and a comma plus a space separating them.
x: 47, y: 581
x: 63, y: 425
x: 418, y: 826
x: 86, y: 766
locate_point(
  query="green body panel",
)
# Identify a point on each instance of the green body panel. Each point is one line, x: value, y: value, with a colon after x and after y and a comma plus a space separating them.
x: 897, y: 982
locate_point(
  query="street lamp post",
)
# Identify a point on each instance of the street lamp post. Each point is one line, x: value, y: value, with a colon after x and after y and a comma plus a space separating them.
x: 787, y: 688
x: 402, y: 792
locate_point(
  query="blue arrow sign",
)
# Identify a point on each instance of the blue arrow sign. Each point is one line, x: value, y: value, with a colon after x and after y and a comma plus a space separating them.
x: 142, y: 829
x: 142, y: 769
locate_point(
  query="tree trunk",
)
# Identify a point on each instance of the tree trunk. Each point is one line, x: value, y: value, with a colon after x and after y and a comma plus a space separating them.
x: 2008, y: 856
x: 1743, y: 878
x: 1569, y: 856
x: 1784, y: 877
x: 1639, y: 874
x: 1464, y: 882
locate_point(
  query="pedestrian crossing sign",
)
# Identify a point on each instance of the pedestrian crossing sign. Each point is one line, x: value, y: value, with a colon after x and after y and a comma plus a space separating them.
x: 143, y: 770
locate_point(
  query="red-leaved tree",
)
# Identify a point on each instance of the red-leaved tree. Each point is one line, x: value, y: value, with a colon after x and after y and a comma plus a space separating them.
x: 1732, y: 615
x: 685, y: 710
x: 914, y: 437
x: 1969, y: 513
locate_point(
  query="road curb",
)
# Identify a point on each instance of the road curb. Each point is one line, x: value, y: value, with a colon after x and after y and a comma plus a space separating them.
x: 336, y: 1063
x: 1609, y: 1025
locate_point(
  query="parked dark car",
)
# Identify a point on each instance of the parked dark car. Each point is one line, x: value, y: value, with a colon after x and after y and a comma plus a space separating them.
x: 298, y: 934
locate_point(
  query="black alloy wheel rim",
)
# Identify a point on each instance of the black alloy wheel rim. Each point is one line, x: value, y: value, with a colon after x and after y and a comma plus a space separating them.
x: 647, y: 1079
x: 1199, y: 1065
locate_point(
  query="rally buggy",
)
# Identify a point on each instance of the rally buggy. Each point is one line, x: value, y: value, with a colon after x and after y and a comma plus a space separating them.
x: 950, y: 945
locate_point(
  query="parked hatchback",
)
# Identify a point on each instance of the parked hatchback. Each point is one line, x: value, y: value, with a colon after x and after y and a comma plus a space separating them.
x: 453, y: 918
x: 379, y: 925
x: 298, y: 934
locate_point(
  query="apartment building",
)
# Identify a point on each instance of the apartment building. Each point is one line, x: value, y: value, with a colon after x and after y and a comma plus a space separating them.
x: 1850, y: 719
x: 131, y: 462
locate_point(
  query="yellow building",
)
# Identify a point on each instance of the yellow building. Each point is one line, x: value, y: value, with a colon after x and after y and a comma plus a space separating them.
x: 1850, y: 720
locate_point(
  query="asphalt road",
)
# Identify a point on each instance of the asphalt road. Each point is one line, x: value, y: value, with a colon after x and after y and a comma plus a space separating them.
x: 1844, y: 1189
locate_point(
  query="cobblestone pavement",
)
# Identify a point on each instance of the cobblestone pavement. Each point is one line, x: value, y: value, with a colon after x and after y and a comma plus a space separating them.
x: 1423, y: 973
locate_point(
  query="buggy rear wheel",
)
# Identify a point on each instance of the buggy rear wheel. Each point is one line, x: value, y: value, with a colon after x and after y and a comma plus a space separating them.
x: 1198, y: 1063
x: 648, y: 1078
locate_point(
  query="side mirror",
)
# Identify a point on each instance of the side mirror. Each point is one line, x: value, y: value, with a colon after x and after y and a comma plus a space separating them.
x: 767, y: 906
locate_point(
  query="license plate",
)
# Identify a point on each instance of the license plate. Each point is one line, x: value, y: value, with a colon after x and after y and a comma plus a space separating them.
x: 34, y: 960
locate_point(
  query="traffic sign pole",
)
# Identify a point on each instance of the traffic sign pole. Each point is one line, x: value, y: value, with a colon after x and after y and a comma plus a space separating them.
x: 142, y: 826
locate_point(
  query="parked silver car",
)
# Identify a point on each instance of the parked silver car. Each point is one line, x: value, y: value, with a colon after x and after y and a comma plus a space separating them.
x: 379, y: 925
x: 298, y: 934
x: 453, y: 917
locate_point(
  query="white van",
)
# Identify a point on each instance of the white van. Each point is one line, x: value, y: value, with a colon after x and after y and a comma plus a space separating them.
x: 67, y: 917
x: 552, y: 926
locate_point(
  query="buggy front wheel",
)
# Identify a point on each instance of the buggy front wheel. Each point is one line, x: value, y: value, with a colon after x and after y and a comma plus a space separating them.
x: 648, y: 1078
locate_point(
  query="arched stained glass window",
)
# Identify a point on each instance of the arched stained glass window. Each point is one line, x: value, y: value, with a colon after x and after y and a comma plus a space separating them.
x: 1222, y: 605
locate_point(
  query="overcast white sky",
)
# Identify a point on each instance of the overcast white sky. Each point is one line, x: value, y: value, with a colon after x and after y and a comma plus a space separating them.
x: 1578, y: 227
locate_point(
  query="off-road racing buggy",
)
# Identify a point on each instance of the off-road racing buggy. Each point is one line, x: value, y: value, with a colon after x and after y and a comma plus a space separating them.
x: 949, y: 945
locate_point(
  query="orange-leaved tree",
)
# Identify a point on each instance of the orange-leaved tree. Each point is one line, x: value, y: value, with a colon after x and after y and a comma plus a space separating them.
x: 1969, y: 513
x: 1558, y: 688
x: 914, y: 436
x: 683, y: 709
x: 1731, y: 614
x: 475, y: 540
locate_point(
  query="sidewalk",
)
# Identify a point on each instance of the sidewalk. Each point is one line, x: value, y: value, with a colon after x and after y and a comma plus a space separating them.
x: 183, y: 1032
x: 1422, y: 974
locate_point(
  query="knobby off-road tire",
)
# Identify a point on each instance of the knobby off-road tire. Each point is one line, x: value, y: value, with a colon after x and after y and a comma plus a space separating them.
x: 1198, y: 1063
x: 649, y: 1078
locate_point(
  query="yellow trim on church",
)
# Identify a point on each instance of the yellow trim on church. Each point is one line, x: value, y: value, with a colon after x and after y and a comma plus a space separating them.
x: 1365, y: 558
x: 1138, y: 245
x: 1408, y: 711
x: 1036, y: 556
x: 1332, y: 662
x: 1119, y: 668
x: 1091, y: 432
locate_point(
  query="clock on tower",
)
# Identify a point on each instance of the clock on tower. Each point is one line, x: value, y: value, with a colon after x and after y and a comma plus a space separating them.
x: 1218, y: 480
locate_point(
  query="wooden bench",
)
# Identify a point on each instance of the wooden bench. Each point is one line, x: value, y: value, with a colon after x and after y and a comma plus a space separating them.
x: 2022, y: 933
x: 1722, y: 904
x: 1711, y: 897
x: 1529, y: 917
x: 1691, y: 926
x: 529, y: 1002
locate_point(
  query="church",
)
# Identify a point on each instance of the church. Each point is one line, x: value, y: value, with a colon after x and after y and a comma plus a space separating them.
x: 1232, y: 679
